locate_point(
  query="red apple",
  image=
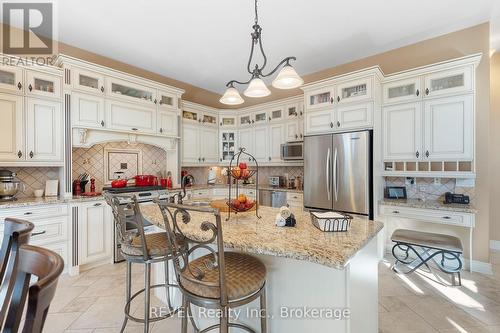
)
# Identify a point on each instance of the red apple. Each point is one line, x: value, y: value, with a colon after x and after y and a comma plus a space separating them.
x: 243, y: 165
x: 245, y: 174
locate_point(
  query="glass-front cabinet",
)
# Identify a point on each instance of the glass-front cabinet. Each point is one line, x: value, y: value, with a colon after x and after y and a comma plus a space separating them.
x: 245, y: 120
x: 448, y: 82
x: 11, y: 79
x: 191, y: 116
x: 41, y: 84
x: 319, y: 98
x: 227, y: 121
x: 131, y: 91
x: 166, y: 100
x: 209, y: 119
x: 277, y: 114
x: 402, y: 91
x: 227, y: 145
x: 292, y: 111
x: 87, y: 81
x: 354, y: 91
x: 260, y: 117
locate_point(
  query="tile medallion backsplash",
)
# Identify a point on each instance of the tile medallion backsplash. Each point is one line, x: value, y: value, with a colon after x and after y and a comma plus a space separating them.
x: 425, y: 189
x: 129, y: 159
x: 33, y: 178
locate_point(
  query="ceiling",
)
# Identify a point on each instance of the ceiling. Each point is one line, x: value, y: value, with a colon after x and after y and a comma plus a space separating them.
x: 206, y: 43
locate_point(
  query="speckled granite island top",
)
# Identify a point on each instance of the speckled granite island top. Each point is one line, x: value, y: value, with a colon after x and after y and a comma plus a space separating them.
x: 244, y: 232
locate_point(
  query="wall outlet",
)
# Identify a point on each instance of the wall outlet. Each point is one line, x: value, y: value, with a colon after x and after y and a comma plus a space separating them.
x: 437, y: 181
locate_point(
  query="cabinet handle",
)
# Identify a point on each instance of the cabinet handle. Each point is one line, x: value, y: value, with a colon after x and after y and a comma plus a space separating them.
x: 161, y: 130
x: 446, y: 217
x: 253, y: 121
x: 30, y: 87
x: 301, y: 136
x: 31, y: 154
x: 102, y: 89
x: 417, y: 154
x: 301, y: 113
x: 331, y: 125
x: 395, y: 211
x: 418, y: 92
x: 28, y: 213
x: 269, y: 158
x: 156, y: 101
x: 250, y: 159
x: 338, y: 98
x: 199, y: 159
x: 296, y: 136
x: 19, y: 85
x: 269, y: 118
x: 20, y: 154
x: 102, y: 123
x: 97, y: 204
x: 427, y: 91
x: 427, y: 153
x: 338, y: 123
x: 220, y: 124
x: 39, y: 233
x: 199, y: 120
x: 331, y: 100
x: 220, y: 159
x: 203, y: 159
x: 135, y: 129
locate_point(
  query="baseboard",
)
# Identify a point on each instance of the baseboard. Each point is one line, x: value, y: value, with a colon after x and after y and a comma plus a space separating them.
x: 479, y: 266
x: 495, y: 245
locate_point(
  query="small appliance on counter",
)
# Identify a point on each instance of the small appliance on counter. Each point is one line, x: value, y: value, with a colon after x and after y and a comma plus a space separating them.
x: 454, y: 198
x: 9, y: 186
x: 395, y: 192
x: 276, y: 181
x: 212, y: 176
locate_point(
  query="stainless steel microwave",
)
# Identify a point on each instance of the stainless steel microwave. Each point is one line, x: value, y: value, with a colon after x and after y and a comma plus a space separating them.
x: 292, y: 151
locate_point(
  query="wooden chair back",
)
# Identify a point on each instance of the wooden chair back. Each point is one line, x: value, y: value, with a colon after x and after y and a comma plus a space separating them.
x: 46, y: 266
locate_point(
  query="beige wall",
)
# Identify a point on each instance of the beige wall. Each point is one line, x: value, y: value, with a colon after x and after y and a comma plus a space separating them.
x: 494, y: 150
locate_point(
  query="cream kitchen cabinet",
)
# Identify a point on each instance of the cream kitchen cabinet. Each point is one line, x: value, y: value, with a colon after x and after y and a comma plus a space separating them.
x: 406, y: 90
x: 12, y: 146
x: 354, y: 116
x: 228, y: 145
x: 87, y: 81
x: 320, y: 98
x: 245, y: 120
x: 87, y: 111
x: 319, y: 121
x: 276, y: 138
x: 209, y: 148
x: 190, y: 144
x: 167, y: 100
x: 293, y: 111
x: 128, y: 117
x: 11, y: 79
x: 44, y: 131
x: 167, y: 123
x: 454, y: 81
x: 96, y: 232
x: 246, y: 139
x: 354, y: 91
x: 448, y: 128
x: 229, y: 121
x: 132, y: 92
x: 292, y: 131
x: 402, y: 132
x: 200, y: 145
x: 259, y: 118
x: 276, y: 114
x: 261, y: 144
x: 43, y: 85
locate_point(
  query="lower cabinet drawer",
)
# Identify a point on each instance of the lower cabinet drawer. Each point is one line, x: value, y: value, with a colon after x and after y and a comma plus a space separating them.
x: 430, y: 215
x: 48, y: 230
x: 34, y: 212
x: 200, y: 194
x: 292, y: 196
x: 59, y: 248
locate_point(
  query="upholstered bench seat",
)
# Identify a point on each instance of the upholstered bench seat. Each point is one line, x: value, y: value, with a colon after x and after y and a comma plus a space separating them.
x: 428, y: 239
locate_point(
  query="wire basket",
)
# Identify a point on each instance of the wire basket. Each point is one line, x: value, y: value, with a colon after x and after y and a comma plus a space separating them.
x: 340, y: 223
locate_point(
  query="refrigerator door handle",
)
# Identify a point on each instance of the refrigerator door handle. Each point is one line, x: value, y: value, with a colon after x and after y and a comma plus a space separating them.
x: 335, y: 182
x: 328, y: 190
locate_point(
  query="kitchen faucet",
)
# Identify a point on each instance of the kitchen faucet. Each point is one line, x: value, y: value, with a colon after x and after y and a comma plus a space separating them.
x: 182, y: 194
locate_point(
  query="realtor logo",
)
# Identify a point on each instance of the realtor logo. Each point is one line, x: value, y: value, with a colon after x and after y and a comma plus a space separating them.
x: 28, y: 28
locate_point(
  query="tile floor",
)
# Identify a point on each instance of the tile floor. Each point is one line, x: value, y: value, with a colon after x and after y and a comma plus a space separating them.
x: 418, y: 303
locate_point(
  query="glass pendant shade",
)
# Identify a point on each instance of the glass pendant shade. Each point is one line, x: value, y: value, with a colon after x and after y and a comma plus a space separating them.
x: 231, y: 97
x: 257, y: 88
x: 287, y: 79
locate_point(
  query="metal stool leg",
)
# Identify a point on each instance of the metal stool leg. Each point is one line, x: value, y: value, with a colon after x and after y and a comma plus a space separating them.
x: 185, y: 313
x: 128, y: 292
x: 224, y: 321
x: 263, y: 311
x: 147, y: 284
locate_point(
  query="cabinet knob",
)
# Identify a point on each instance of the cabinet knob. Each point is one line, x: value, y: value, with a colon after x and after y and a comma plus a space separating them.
x: 31, y: 154
x: 161, y: 130
x: 199, y: 159
x: 97, y: 204
x: 446, y: 217
x: 102, y: 89
x: 395, y: 212
x: 155, y: 101
x: 203, y: 159
x: 253, y: 121
x: 19, y: 85
x: 296, y: 136
x: 269, y: 158
x: 338, y: 123
x: 220, y: 159
x: 135, y: 129
x: 30, y: 87
x: 331, y: 125
x: 102, y: 123
x: 220, y: 124
x: 20, y: 154
x: 301, y: 113
x: 269, y: 118
x: 301, y: 136
x: 338, y: 98
x: 418, y: 92
x: 331, y: 100
x: 39, y: 233
x: 427, y: 91
x: 417, y: 154
x: 427, y: 153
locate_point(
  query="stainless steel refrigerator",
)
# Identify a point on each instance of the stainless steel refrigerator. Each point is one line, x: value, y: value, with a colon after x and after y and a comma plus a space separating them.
x: 338, y: 172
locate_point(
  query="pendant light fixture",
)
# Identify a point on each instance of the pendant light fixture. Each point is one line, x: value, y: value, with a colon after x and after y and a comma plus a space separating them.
x: 287, y: 78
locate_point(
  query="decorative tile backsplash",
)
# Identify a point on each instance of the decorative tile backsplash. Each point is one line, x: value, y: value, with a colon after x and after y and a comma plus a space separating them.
x: 33, y: 178
x: 201, y: 173
x: 91, y: 160
x: 424, y: 188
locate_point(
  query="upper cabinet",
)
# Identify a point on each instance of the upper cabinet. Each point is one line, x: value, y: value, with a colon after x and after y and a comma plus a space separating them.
x: 354, y: 91
x: 402, y: 90
x: 167, y: 100
x: 129, y: 117
x: 11, y: 128
x: 166, y: 123
x: 245, y: 120
x: 259, y: 117
x: 11, y: 79
x: 276, y: 114
x: 319, y: 98
x: 449, y: 82
x: 40, y: 84
x: 228, y: 121
x: 209, y: 119
x: 87, y: 111
x: 87, y: 81
x: 131, y: 91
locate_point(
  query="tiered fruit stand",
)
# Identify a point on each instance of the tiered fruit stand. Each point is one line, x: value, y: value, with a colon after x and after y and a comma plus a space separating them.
x: 239, y: 170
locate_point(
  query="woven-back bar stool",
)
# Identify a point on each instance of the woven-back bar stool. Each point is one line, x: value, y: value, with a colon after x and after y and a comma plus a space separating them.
x: 217, y: 280
x: 140, y: 248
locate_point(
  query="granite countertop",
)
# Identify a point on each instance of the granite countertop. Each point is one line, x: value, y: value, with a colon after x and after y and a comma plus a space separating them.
x: 438, y: 205
x: 244, y: 232
x: 250, y: 186
x: 32, y: 201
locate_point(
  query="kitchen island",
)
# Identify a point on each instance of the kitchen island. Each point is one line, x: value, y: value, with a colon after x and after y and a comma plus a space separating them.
x: 326, y: 282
